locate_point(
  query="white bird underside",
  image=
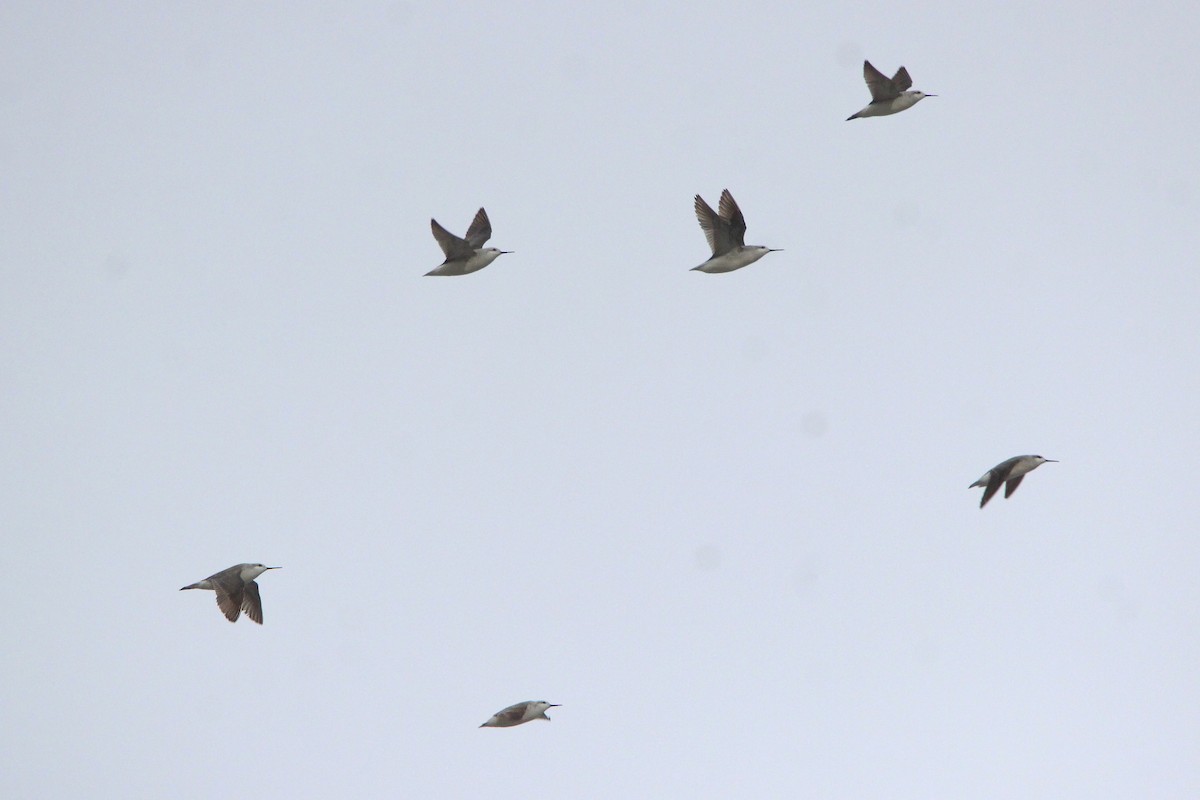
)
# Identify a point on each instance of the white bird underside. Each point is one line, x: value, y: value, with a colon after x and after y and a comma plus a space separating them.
x: 885, y: 107
x: 730, y: 261
x: 477, y: 261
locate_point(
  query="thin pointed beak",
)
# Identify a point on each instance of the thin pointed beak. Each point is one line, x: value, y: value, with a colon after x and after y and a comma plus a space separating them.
x: 506, y: 252
x: 1052, y: 460
x: 274, y: 567
x: 931, y: 95
x: 556, y: 705
x: 774, y: 249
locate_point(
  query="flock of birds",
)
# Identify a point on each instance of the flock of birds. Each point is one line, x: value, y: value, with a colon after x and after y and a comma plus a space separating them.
x: 725, y: 229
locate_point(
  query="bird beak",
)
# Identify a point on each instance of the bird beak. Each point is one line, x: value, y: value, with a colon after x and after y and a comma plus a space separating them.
x: 556, y: 705
x: 774, y: 249
x: 1052, y: 460
x: 931, y: 95
x: 506, y: 252
x: 274, y: 567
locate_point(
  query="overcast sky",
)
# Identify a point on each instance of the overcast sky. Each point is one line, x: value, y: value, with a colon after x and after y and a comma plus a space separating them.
x: 722, y: 519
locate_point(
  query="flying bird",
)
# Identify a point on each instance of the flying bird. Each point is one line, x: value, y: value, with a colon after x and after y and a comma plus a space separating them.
x: 1010, y: 473
x: 236, y: 590
x: 726, y: 233
x: 888, y: 95
x: 519, y: 713
x: 467, y: 255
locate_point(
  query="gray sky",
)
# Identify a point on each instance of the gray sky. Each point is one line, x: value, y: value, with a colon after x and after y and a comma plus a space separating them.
x: 723, y: 519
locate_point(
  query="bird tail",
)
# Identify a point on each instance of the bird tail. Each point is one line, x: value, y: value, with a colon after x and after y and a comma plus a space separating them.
x: 852, y: 116
x: 193, y: 586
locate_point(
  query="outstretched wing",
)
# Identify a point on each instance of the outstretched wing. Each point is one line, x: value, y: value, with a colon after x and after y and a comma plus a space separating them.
x: 901, y: 80
x: 252, y: 602
x: 453, y: 246
x: 993, y: 486
x: 881, y: 86
x: 480, y: 230
x: 730, y: 212
x: 1012, y: 485
x: 708, y: 223
x: 229, y: 600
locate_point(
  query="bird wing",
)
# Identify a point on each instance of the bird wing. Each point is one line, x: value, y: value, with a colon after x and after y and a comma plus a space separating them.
x: 901, y: 80
x: 730, y: 212
x: 709, y: 223
x: 252, y: 602
x: 880, y: 85
x: 513, y: 713
x: 1012, y: 484
x: 993, y: 486
x: 229, y: 600
x: 453, y: 246
x: 480, y: 230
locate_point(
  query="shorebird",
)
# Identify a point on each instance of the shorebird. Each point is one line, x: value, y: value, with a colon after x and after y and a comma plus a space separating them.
x: 519, y: 713
x: 465, y: 255
x: 1010, y: 473
x: 236, y: 590
x: 726, y: 232
x: 888, y: 95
